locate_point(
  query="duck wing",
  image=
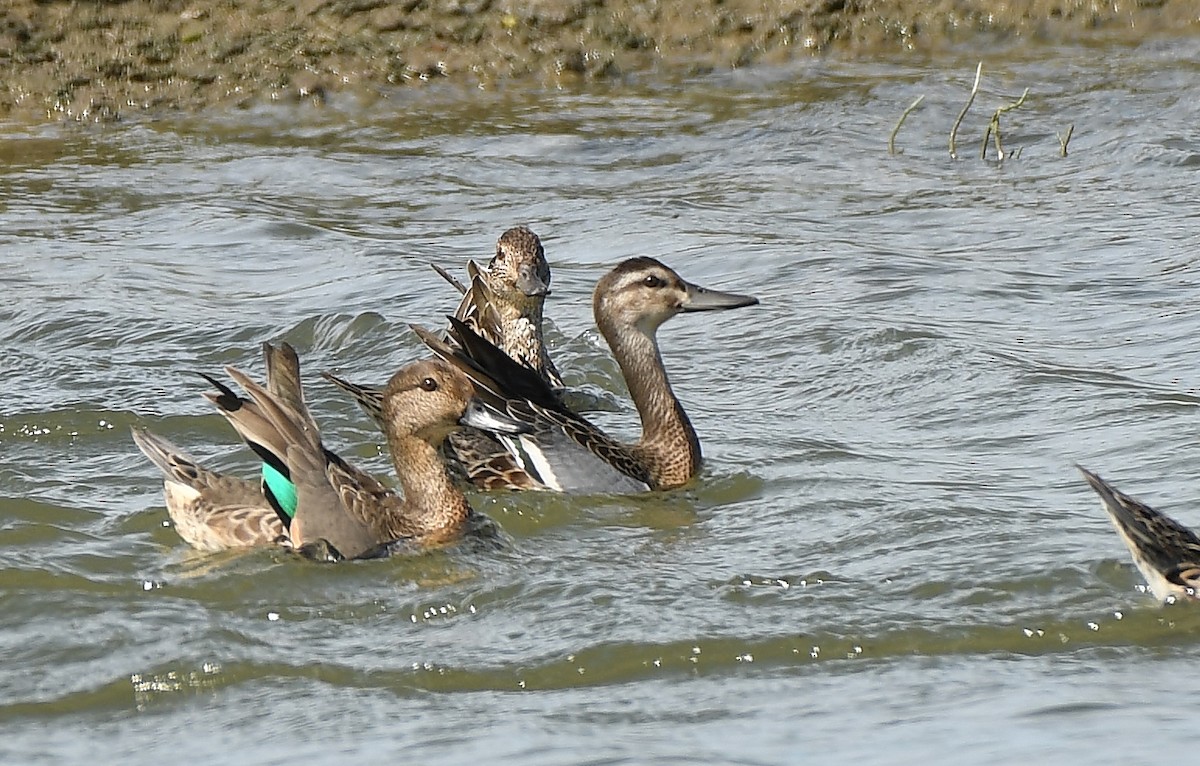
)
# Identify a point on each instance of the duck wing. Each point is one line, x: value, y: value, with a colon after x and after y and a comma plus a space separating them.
x: 562, y: 451
x: 281, y: 429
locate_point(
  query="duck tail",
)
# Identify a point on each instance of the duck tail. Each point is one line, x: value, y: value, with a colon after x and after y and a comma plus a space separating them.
x: 1157, y: 542
x: 176, y: 465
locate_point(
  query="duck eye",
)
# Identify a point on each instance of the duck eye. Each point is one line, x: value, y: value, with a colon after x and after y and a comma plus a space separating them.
x: 429, y: 384
x: 653, y: 281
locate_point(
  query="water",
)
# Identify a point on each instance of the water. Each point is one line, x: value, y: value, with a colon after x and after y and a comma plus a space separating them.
x: 889, y: 557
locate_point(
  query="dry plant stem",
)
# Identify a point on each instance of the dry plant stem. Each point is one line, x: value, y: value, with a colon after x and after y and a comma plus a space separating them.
x: 994, y: 128
x: 903, y: 117
x: 963, y: 113
x: 1064, y: 140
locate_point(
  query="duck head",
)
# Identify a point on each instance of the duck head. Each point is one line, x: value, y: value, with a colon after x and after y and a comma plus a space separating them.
x: 429, y: 399
x: 644, y: 293
x: 519, y: 271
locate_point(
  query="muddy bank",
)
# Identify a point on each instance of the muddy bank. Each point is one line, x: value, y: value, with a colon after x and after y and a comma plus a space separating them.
x: 107, y: 60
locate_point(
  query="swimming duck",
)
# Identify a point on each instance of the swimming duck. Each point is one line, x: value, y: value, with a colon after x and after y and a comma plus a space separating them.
x: 1164, y: 551
x: 504, y: 304
x: 342, y: 511
x: 564, y: 452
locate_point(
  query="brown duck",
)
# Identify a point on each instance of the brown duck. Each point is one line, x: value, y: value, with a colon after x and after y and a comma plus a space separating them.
x: 341, y: 511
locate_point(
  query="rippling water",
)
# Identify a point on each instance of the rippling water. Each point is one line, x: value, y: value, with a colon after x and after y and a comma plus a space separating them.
x: 889, y: 557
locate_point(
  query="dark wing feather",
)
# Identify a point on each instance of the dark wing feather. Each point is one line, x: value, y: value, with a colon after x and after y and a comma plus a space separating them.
x: 487, y: 388
x: 485, y: 462
x: 523, y: 393
x: 518, y: 381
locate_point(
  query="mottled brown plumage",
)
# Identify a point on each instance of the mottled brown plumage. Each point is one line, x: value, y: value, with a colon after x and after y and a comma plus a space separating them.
x: 508, y: 299
x: 504, y: 304
x: 340, y: 509
x: 210, y: 511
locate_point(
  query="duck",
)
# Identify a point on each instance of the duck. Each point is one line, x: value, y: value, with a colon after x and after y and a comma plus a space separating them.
x: 1165, y: 552
x: 504, y: 303
x: 563, y: 452
x: 342, y: 512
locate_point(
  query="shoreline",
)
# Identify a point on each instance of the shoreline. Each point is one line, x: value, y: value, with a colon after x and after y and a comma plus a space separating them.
x: 110, y: 60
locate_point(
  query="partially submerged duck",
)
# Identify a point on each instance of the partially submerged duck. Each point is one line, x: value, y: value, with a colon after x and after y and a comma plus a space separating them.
x: 503, y: 303
x: 561, y: 450
x: 1164, y: 551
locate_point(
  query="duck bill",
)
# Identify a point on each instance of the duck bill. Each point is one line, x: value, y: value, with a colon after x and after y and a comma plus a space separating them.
x: 530, y: 284
x: 485, y: 418
x: 702, y: 299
